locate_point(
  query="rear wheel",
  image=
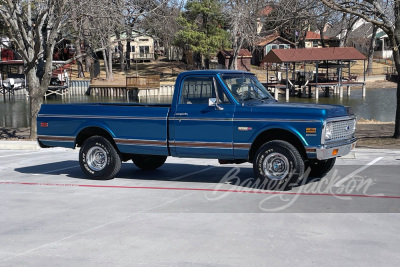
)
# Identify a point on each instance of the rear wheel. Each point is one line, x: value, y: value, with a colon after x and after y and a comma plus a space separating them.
x: 278, y: 164
x: 148, y: 162
x: 99, y: 159
x: 319, y: 168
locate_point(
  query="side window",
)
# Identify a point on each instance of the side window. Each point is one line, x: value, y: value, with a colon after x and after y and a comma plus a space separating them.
x: 197, y: 90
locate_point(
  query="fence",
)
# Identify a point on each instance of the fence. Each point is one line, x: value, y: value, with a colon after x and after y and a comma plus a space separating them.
x: 13, y: 92
x: 143, y: 82
x: 117, y: 91
x: 83, y: 87
x: 78, y: 87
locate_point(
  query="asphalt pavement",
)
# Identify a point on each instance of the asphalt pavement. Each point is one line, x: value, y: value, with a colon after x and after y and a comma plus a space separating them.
x: 195, y: 212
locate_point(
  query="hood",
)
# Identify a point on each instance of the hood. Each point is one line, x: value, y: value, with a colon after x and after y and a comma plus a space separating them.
x: 306, y: 109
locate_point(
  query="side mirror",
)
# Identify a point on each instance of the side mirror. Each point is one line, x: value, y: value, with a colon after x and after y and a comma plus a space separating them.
x: 213, y: 102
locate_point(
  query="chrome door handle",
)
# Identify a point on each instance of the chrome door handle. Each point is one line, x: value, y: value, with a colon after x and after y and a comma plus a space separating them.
x: 181, y: 114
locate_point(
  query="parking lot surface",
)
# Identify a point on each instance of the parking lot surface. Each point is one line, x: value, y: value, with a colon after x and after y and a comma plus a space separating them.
x: 195, y: 212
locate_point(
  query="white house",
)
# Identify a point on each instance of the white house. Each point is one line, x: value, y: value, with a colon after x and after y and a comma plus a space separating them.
x: 360, y: 38
x: 142, y: 46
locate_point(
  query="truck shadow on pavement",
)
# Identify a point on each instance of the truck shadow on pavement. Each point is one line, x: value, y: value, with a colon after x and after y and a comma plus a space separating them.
x: 238, y: 175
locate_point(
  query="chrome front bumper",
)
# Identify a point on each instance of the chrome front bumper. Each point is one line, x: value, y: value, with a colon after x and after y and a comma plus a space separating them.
x: 335, y: 150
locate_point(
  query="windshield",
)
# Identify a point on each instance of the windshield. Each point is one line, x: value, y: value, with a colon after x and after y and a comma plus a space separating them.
x: 245, y: 87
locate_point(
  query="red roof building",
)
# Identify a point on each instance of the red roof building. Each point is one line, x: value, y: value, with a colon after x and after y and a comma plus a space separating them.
x: 266, y: 44
x: 225, y: 58
x: 313, y: 40
x: 307, y: 55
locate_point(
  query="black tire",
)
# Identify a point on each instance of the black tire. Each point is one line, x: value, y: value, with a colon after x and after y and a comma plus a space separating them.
x: 278, y: 164
x: 319, y: 168
x: 148, y: 162
x: 99, y: 159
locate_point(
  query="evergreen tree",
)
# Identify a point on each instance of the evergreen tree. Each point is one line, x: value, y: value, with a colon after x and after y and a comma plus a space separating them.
x: 202, y: 28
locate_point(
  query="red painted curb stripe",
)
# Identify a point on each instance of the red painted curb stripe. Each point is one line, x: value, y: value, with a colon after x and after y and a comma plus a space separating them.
x: 202, y: 189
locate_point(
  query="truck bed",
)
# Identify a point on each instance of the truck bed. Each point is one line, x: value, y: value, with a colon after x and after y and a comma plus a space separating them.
x: 141, y: 128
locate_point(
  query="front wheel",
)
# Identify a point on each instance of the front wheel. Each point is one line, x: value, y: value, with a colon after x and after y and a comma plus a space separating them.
x: 99, y: 159
x: 278, y: 164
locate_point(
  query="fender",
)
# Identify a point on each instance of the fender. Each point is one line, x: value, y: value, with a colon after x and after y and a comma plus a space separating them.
x: 95, y: 124
x: 287, y: 128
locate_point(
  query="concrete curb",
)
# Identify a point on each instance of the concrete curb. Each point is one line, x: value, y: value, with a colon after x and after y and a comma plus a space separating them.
x: 19, y: 145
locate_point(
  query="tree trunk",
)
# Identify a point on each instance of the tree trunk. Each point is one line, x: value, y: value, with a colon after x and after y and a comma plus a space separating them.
x: 79, y: 57
x: 77, y: 43
x: 394, y: 40
x: 120, y: 52
x: 322, y: 37
x: 105, y: 63
x: 35, y: 100
x: 88, y: 57
x: 397, y: 119
x: 128, y: 54
x: 110, y: 65
x: 35, y: 103
x: 343, y: 33
x: 371, y: 50
x: 89, y: 60
x: 86, y: 32
x: 235, y: 55
x: 121, y: 56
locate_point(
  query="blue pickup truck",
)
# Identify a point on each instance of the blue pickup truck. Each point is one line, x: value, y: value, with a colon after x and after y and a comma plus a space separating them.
x: 219, y: 114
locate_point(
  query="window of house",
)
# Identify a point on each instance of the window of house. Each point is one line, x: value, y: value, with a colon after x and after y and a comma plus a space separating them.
x: 132, y: 49
x: 144, y: 49
x: 197, y: 90
x: 379, y: 45
x: 315, y: 43
x: 386, y: 44
x: 143, y: 40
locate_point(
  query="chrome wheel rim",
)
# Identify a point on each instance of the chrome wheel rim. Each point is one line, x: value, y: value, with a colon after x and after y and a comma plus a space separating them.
x: 96, y: 158
x: 276, y: 166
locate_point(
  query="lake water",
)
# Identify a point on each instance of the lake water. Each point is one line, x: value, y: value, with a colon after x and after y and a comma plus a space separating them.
x: 378, y: 105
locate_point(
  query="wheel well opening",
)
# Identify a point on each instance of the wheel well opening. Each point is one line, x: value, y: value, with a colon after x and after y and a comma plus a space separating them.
x: 276, y: 134
x: 93, y: 131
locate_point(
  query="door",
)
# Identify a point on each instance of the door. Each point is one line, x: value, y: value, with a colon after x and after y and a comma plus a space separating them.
x: 201, y: 130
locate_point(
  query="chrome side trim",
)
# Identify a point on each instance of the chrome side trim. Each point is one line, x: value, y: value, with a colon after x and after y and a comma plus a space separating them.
x: 100, y: 117
x: 159, y: 143
x: 56, y: 138
x: 241, y: 145
x: 275, y: 120
x: 140, y: 142
x: 199, y: 119
x: 193, y: 144
x: 218, y: 145
x: 241, y: 120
